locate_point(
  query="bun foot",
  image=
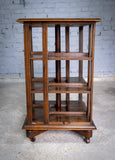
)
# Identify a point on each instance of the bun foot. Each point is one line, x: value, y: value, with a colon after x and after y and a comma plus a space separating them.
x: 87, y: 140
x: 33, y: 139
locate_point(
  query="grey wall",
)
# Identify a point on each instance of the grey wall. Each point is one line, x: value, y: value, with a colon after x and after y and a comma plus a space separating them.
x: 11, y: 33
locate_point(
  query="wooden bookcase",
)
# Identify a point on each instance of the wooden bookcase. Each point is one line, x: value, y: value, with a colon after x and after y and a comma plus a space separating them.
x: 70, y: 114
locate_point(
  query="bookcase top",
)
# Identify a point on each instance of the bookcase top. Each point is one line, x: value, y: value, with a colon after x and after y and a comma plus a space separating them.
x: 23, y: 20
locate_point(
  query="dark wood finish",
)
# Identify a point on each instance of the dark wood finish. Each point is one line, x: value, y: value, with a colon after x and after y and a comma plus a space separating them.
x: 63, y: 80
x: 59, y: 20
x: 92, y: 70
x: 67, y: 84
x: 61, y: 56
x: 86, y: 134
x: 67, y: 64
x: 75, y: 106
x: 31, y: 134
x: 27, y: 48
x: 89, y: 69
x: 32, y: 65
x: 58, y: 65
x: 60, y: 88
x: 45, y: 72
x: 80, y: 50
x: 59, y: 115
x: 58, y: 126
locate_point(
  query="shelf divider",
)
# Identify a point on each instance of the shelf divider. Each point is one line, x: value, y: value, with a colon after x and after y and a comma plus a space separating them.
x: 27, y: 48
x: 58, y: 65
x: 45, y: 72
x: 89, y: 69
x: 80, y: 50
x: 92, y: 72
x: 67, y: 64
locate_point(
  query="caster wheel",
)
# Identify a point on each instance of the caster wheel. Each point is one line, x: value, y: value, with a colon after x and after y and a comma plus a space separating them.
x: 33, y: 139
x: 87, y: 140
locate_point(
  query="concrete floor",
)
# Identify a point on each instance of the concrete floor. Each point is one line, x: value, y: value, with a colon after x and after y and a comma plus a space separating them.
x: 56, y: 145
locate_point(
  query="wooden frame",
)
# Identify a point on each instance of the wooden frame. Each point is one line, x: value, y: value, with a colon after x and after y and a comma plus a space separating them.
x: 59, y: 115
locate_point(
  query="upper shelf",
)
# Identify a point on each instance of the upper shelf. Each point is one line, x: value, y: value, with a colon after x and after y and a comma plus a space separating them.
x: 59, y: 20
x: 36, y: 22
x: 61, y: 56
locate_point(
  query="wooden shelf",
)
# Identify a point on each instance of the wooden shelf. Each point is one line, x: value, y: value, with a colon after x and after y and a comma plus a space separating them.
x: 38, y: 88
x: 68, y: 90
x: 61, y: 56
x: 73, y: 121
x: 72, y: 80
x: 58, y: 19
x: 74, y: 106
x: 74, y: 85
x: 35, y: 126
x: 68, y: 56
x: 76, y: 112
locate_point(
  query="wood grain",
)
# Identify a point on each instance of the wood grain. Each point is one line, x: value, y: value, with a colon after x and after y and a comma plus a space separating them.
x: 59, y: 20
x: 27, y: 49
x: 58, y: 65
x: 89, y: 69
x: 45, y: 72
x: 92, y: 71
x: 80, y: 50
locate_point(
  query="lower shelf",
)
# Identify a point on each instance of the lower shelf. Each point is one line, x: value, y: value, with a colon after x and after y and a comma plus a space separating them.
x: 34, y: 126
x: 76, y: 113
x: 73, y: 119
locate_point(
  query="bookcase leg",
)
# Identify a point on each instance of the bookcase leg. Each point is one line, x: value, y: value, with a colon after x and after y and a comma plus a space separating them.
x: 87, y: 134
x: 89, y: 70
x: 31, y: 134
x: 92, y: 71
x: 27, y: 48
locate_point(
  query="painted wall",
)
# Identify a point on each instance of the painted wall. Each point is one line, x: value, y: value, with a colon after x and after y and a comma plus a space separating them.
x: 11, y: 33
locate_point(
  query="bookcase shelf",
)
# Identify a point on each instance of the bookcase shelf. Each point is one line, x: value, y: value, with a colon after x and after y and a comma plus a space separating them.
x: 61, y: 56
x: 74, y: 85
x: 58, y: 114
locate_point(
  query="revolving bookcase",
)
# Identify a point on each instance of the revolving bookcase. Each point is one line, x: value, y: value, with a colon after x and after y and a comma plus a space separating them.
x: 58, y: 114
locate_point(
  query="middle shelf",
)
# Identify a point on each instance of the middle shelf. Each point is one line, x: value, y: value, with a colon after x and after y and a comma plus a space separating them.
x: 61, y: 56
x: 72, y: 85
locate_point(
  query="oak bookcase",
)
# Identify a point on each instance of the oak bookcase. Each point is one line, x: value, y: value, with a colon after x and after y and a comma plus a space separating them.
x: 70, y: 114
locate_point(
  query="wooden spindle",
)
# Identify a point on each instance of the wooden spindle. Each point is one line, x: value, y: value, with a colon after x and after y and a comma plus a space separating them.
x: 27, y: 49
x: 92, y: 71
x: 67, y: 64
x: 45, y: 72
x: 80, y: 62
x: 58, y: 65
x: 89, y: 69
x: 32, y: 64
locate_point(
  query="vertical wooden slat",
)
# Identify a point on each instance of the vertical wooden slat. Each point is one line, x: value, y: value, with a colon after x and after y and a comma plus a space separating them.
x: 80, y: 50
x: 92, y: 71
x: 58, y: 65
x: 67, y: 64
x: 45, y: 72
x: 89, y: 69
x: 32, y: 64
x: 27, y: 49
